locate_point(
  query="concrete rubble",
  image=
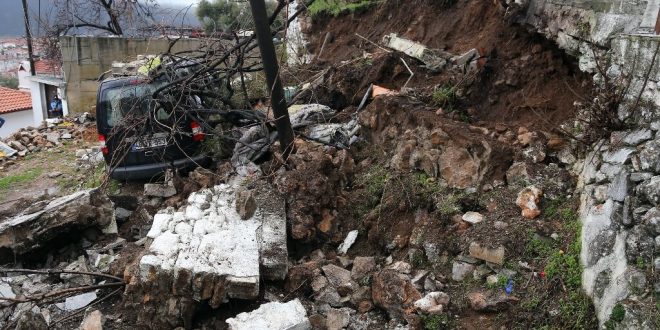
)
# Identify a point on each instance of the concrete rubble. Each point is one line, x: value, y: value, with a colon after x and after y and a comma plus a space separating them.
x: 275, y: 315
x: 36, y: 226
x: 209, y: 253
x: 435, y: 59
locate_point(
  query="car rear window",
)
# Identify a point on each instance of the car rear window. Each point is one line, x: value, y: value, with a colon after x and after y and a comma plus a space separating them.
x: 131, y: 101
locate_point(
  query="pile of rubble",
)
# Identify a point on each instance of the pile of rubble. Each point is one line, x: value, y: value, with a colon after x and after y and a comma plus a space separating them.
x: 218, y: 246
x: 29, y: 297
x: 48, y: 135
x: 69, y: 280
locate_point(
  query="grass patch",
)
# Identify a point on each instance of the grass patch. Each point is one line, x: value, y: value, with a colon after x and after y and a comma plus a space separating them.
x: 17, y: 179
x: 576, y: 308
x: 501, y: 282
x: 336, y: 7
x: 99, y: 178
x: 617, y: 315
x: 538, y: 246
x: 641, y: 264
x: 374, y: 182
x: 436, y: 322
x: 450, y: 204
x: 531, y: 304
x: 418, y: 259
x: 576, y: 311
x: 445, y: 97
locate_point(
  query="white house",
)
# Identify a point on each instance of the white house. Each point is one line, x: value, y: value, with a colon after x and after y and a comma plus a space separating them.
x: 16, y: 110
x: 46, y: 84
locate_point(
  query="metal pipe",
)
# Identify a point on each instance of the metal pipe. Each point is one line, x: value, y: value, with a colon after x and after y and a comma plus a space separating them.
x: 271, y: 68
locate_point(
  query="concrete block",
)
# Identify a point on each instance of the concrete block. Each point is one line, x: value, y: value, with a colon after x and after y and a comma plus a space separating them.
x: 273, y: 316
x: 216, y: 243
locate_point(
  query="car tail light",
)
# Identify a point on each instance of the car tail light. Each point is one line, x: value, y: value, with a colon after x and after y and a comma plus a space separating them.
x: 104, y: 148
x: 197, y: 133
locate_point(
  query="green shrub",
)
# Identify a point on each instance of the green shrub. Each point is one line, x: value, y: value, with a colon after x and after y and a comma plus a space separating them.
x: 336, y: 7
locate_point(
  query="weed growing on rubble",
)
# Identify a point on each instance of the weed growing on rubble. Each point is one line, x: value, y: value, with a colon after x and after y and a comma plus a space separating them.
x: 617, y: 315
x: 449, y: 205
x: 445, y: 97
x: 374, y: 182
x: 501, y: 282
x: 538, y: 246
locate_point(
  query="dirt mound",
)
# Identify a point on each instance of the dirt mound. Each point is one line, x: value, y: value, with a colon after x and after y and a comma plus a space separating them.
x: 528, y: 81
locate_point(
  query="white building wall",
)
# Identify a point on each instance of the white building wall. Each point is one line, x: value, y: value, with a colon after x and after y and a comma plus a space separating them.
x: 24, y: 77
x: 38, y: 102
x: 15, y: 121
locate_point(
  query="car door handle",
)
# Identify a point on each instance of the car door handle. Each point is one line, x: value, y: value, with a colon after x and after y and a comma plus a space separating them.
x: 149, y: 153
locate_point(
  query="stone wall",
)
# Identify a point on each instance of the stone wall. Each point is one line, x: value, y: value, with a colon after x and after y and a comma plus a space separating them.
x: 620, y: 177
x: 84, y: 59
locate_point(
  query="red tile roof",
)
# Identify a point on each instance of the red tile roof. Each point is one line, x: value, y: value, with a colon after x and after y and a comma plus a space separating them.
x: 47, y: 67
x: 12, y: 100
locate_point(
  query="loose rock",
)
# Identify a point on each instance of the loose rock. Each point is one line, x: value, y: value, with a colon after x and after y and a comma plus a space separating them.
x: 528, y: 200
x: 473, y: 217
x: 433, y: 303
x: 336, y: 275
x: 486, y: 302
x: 93, y: 321
x: 461, y: 269
x: 348, y: 242
x: 362, y: 266
x: 495, y: 255
x: 394, y: 293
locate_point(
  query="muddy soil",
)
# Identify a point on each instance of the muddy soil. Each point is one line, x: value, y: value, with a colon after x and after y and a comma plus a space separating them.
x: 528, y: 81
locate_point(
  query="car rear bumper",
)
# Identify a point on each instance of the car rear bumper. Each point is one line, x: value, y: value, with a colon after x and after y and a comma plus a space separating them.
x: 148, y: 171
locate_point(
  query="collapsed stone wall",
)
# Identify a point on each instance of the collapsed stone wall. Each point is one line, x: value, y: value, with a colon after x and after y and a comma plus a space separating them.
x: 219, y: 246
x: 620, y: 177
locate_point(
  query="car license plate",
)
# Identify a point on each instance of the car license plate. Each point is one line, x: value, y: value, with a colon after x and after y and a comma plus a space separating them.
x: 150, y: 143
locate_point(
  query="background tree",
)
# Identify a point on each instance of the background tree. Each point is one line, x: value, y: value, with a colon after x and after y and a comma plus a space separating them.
x: 232, y: 15
x: 9, y: 82
x: 115, y: 17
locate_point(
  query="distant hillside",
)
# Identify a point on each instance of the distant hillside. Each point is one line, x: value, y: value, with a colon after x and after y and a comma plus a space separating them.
x: 11, y: 16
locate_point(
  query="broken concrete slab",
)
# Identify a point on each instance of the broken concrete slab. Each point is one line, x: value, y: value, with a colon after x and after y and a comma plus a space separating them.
x: 434, y: 59
x: 159, y: 190
x: 209, y: 253
x: 273, y: 315
x: 78, y: 301
x: 6, y: 291
x: 494, y: 255
x: 6, y: 151
x: 348, y: 242
x: 82, y: 209
x: 460, y: 270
